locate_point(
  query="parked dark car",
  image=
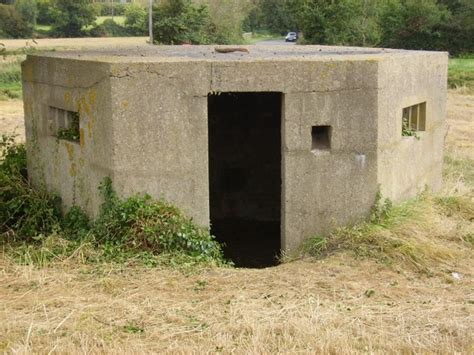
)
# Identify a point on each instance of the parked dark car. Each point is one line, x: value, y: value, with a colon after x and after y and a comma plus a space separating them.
x: 291, y: 37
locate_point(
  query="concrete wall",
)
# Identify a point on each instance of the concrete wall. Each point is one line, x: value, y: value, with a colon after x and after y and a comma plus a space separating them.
x: 144, y: 123
x: 406, y: 164
x: 160, y: 133
x: 73, y: 170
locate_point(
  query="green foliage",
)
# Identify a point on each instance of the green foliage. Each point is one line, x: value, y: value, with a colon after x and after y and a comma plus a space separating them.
x: 341, y: 22
x: 28, y: 11
x: 109, y: 28
x: 139, y: 223
x: 275, y: 16
x: 412, y: 24
x: 71, y: 133
x: 25, y: 213
x: 44, y: 12
x: 180, y: 21
x: 109, y: 8
x: 12, y: 25
x: 136, y: 19
x: 132, y: 229
x: 70, y: 17
x: 461, y: 74
x: 407, y: 131
x: 10, y: 80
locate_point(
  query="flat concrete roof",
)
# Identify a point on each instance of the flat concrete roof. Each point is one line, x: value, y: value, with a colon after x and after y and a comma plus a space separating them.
x: 160, y: 53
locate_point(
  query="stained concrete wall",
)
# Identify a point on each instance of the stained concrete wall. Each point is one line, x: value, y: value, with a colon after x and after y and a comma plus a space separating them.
x: 144, y: 122
x: 72, y: 170
x: 409, y: 164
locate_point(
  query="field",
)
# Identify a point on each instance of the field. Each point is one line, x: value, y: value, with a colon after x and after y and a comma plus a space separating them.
x: 416, y: 300
x: 461, y: 74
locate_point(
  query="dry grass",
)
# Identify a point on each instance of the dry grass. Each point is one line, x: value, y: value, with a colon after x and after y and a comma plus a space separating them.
x: 339, y: 304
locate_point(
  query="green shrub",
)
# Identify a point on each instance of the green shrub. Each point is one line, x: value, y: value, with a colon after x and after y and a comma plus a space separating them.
x: 10, y: 80
x: 181, y: 22
x: 12, y: 25
x: 25, y: 213
x: 136, y: 19
x: 134, y: 228
x: 109, y: 28
x: 141, y: 224
x: 70, y: 17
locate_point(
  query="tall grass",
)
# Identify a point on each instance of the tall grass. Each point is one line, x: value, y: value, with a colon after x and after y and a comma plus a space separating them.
x: 461, y: 74
x: 10, y: 80
x: 426, y: 230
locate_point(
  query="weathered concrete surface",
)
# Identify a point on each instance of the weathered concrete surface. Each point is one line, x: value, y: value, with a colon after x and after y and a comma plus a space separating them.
x: 143, y: 118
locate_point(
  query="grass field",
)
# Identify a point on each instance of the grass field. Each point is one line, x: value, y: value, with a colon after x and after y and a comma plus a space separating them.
x: 414, y: 295
x: 461, y: 74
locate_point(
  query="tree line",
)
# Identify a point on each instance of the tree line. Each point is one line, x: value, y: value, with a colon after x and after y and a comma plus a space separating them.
x: 411, y: 24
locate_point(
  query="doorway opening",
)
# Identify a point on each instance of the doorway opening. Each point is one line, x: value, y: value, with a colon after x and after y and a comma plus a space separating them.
x: 245, y: 175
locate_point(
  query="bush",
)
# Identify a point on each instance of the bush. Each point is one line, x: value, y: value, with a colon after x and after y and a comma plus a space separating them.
x: 141, y: 224
x: 109, y: 28
x: 106, y: 9
x: 12, y: 25
x: 136, y: 19
x: 25, y: 213
x: 71, y: 16
x: 44, y: 12
x: 132, y: 228
x: 28, y: 11
x: 180, y: 22
x: 412, y: 24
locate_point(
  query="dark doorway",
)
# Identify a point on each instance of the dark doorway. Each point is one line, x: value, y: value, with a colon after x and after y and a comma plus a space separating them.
x: 245, y: 175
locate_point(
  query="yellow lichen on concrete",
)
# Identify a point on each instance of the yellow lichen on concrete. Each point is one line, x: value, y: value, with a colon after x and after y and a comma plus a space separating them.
x: 70, y: 150
x: 67, y: 97
x: 92, y: 97
x: 28, y: 73
x: 73, y: 170
x: 90, y: 124
x: 81, y: 137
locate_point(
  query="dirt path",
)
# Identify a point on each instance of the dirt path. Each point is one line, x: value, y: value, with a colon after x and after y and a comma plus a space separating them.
x: 73, y: 43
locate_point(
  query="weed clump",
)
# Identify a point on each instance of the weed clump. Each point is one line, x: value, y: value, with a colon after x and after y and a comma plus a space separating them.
x: 413, y: 233
x: 135, y: 228
x: 142, y: 224
x: 25, y: 212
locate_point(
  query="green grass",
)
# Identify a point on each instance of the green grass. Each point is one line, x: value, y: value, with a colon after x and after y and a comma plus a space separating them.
x: 43, y: 28
x: 10, y: 80
x: 461, y: 74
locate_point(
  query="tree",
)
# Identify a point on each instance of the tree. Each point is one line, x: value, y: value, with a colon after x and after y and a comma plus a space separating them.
x: 136, y: 19
x: 28, y: 11
x: 336, y: 22
x: 12, y: 25
x: 457, y: 35
x: 179, y: 21
x: 412, y: 24
x: 71, y: 16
